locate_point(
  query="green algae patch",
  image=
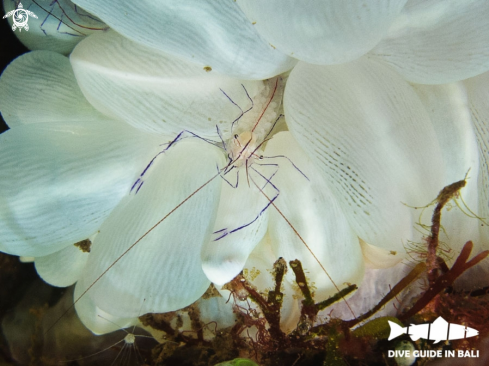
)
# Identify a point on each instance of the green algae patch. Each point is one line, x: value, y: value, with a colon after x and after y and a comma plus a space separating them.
x: 238, y: 362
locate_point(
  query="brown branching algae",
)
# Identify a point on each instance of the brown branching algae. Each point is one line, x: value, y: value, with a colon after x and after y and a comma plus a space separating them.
x: 257, y: 336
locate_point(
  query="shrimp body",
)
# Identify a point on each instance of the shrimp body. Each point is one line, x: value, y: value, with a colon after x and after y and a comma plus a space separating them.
x: 252, y: 127
x: 243, y: 149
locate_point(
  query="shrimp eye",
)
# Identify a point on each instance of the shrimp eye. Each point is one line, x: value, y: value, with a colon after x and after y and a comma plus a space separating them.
x: 236, y: 136
x: 260, y: 157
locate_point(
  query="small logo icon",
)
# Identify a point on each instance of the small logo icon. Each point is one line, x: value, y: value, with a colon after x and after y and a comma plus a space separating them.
x: 439, y: 330
x: 20, y: 17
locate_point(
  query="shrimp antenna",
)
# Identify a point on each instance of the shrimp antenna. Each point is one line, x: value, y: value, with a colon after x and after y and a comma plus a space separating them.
x: 266, y: 107
x: 232, y: 101
x: 307, y: 246
x: 128, y: 249
x: 236, y: 104
x: 66, y: 15
x: 249, y: 98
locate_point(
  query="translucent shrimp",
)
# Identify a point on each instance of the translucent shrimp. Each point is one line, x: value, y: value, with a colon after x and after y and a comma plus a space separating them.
x: 250, y: 132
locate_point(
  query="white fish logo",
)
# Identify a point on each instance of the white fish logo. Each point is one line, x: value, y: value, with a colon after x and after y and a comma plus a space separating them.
x: 439, y: 330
